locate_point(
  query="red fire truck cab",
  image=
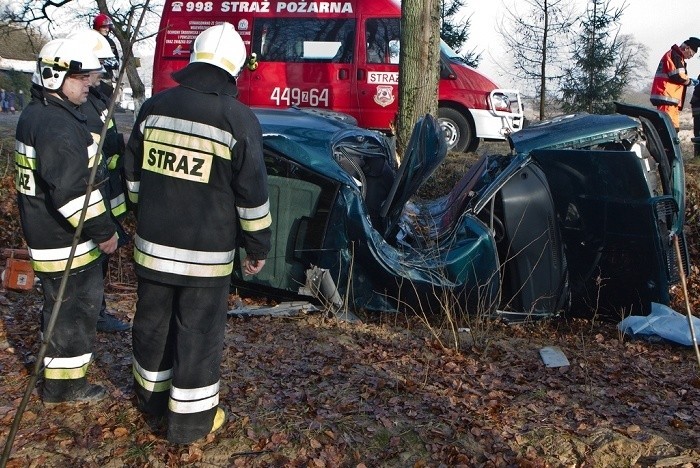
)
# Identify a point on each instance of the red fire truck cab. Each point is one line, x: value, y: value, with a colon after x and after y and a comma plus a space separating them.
x: 337, y: 55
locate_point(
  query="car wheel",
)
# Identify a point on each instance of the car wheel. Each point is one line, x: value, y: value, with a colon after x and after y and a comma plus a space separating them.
x: 459, y: 133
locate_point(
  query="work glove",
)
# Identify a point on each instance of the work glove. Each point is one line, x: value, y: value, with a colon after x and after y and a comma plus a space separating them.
x: 694, y: 81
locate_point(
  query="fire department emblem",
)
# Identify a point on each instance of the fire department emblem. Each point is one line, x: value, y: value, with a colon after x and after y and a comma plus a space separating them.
x: 242, y: 25
x: 384, y: 96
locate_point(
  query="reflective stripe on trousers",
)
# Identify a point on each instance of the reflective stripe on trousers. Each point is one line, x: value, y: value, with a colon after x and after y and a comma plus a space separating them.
x: 70, y: 347
x: 178, y: 337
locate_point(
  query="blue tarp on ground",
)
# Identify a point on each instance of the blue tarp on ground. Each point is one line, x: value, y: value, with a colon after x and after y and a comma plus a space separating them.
x: 663, y: 322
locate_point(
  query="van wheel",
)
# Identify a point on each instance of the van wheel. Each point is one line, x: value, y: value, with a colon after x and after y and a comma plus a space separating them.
x: 459, y: 133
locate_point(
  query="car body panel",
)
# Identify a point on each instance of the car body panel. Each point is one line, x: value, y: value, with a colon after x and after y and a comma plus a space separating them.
x: 361, y: 261
x: 610, y: 228
x: 578, y: 213
x: 424, y: 153
x: 617, y: 213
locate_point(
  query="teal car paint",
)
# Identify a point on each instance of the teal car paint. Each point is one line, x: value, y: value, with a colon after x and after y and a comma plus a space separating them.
x: 579, y: 215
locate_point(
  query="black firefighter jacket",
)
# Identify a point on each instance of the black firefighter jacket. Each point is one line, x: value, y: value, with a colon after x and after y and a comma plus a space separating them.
x: 54, y: 154
x: 95, y: 109
x: 195, y: 167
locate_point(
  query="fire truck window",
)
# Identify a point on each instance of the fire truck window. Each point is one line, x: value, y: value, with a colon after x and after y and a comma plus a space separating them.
x: 394, y: 49
x: 382, y: 35
x: 304, y: 40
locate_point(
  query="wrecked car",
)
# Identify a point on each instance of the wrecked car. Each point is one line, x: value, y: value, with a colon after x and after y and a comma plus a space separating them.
x: 580, y: 215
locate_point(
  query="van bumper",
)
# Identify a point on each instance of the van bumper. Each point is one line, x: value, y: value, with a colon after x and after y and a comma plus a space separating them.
x: 490, y: 126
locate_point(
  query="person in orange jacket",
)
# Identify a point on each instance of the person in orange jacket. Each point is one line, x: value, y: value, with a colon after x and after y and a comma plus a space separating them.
x: 671, y: 80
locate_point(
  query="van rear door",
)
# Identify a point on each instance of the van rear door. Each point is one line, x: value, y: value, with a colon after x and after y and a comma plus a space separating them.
x: 304, y: 60
x: 378, y: 71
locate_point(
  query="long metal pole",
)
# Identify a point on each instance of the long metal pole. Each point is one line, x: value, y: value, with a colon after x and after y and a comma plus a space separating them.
x: 64, y: 279
x: 684, y: 284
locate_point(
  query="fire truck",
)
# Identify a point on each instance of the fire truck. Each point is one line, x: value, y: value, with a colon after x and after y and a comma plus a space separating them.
x: 337, y: 55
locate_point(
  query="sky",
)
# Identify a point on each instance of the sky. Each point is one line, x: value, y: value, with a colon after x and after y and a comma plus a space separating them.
x: 658, y: 24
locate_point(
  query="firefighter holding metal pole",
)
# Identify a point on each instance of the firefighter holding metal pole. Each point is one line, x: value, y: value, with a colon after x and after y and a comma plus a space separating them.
x: 194, y: 163
x: 54, y: 156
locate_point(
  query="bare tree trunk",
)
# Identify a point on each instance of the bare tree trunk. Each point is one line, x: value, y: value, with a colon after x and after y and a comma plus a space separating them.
x: 539, y: 40
x: 420, y: 65
x: 543, y: 62
x: 138, y: 90
x: 131, y: 64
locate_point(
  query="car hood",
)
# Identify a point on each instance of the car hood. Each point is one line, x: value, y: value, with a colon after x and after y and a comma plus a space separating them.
x: 570, y: 131
x: 583, y: 130
x: 425, y: 151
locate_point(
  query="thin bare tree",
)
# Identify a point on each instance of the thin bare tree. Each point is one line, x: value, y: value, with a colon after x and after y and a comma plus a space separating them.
x: 536, y: 34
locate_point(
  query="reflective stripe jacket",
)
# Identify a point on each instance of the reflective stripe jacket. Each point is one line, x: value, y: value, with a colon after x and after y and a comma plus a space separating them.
x: 194, y: 164
x: 111, y: 183
x: 54, y: 153
x: 671, y: 80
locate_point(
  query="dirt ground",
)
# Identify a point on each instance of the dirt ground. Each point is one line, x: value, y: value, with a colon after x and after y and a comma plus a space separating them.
x: 311, y: 391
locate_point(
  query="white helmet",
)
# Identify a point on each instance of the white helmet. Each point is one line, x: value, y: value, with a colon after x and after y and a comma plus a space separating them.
x: 99, y: 45
x: 60, y: 57
x: 220, y: 46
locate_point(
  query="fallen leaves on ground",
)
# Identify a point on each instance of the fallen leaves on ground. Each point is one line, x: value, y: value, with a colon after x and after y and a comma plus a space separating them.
x: 313, y: 391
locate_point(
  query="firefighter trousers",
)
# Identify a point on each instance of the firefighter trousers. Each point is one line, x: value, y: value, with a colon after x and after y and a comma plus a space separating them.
x: 69, y: 350
x: 696, y: 134
x: 178, y: 336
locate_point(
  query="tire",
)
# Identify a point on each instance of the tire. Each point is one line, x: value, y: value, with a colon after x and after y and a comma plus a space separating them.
x: 459, y: 132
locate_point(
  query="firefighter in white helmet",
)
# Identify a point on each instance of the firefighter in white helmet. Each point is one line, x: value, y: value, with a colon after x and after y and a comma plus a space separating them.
x: 95, y: 109
x: 54, y: 153
x: 103, y: 51
x: 194, y: 163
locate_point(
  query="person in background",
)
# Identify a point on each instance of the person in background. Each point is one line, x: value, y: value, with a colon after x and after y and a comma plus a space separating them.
x: 111, y: 183
x: 54, y: 156
x: 20, y: 100
x: 695, y: 108
x: 11, y: 101
x: 192, y: 215
x: 671, y: 80
x: 3, y: 100
x: 104, y: 25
